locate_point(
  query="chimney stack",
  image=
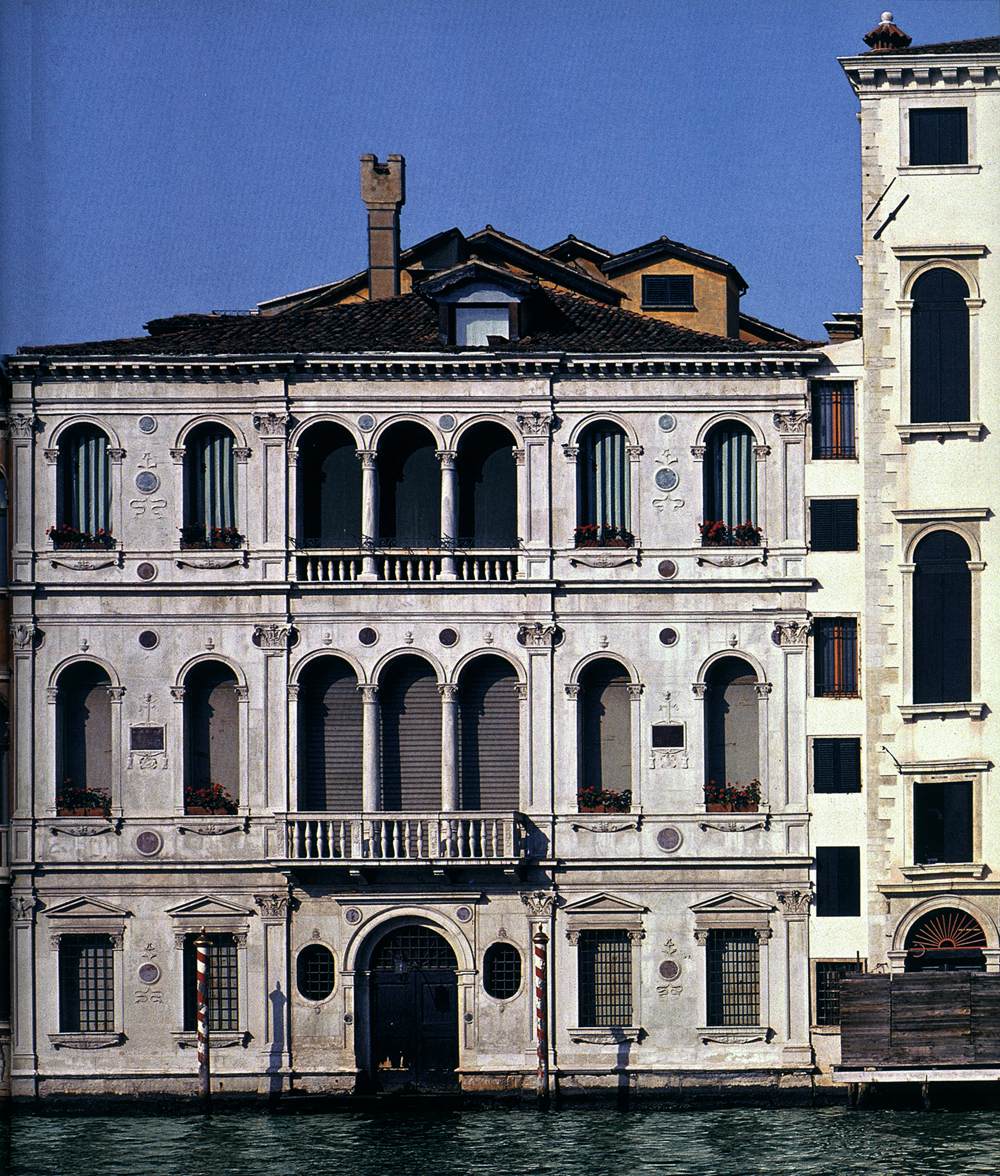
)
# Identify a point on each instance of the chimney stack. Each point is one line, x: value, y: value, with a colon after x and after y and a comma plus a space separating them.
x: 383, y: 189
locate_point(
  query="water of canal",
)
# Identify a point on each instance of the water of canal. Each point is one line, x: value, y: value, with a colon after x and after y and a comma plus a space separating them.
x: 504, y: 1141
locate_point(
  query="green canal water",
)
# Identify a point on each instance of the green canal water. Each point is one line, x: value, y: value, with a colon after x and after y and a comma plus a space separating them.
x: 502, y: 1140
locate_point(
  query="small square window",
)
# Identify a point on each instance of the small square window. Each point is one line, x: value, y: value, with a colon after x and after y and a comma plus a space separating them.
x: 835, y: 657
x: 833, y: 524
x: 829, y: 974
x: 837, y: 765
x: 668, y: 735
x: 668, y: 290
x: 939, y: 135
x: 832, y: 420
x: 838, y: 881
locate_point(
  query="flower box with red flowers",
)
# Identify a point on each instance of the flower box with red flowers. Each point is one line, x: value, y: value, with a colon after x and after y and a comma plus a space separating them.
x: 208, y: 800
x: 732, y: 798
x: 72, y: 801
x: 602, y: 535
x: 67, y: 538
x: 604, y: 800
x: 196, y: 536
x: 717, y: 533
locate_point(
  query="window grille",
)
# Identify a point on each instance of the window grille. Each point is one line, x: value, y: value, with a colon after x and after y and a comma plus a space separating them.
x: 828, y: 977
x: 223, y: 985
x: 837, y: 765
x: 605, y: 978
x: 502, y: 970
x: 836, y: 657
x: 413, y: 948
x: 832, y: 420
x: 86, y: 984
x: 733, y: 978
x: 314, y: 971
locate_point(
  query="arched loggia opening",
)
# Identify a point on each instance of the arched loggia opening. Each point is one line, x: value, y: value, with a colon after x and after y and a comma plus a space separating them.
x: 946, y: 940
x: 942, y: 619
x: 409, y: 482
x: 211, y: 739
x: 83, y: 739
x: 604, y: 718
x: 329, y: 488
x: 487, y: 487
x: 410, y: 706
x: 330, y: 728
x: 732, y: 735
x: 489, y: 738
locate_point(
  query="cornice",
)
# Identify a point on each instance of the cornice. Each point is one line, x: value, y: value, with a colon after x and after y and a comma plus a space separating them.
x: 660, y: 366
x: 919, y: 71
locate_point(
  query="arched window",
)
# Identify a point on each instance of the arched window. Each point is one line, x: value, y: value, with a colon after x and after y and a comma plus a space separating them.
x: 603, y: 513
x: 946, y: 940
x: 939, y: 348
x: 730, y: 487
x: 84, y: 488
x: 942, y: 619
x: 411, y: 736
x: 409, y: 481
x: 605, y: 736
x: 83, y: 739
x: 329, y: 738
x: 487, y: 488
x: 211, y: 739
x: 329, y: 480
x: 489, y: 741
x: 210, y: 488
x: 732, y: 747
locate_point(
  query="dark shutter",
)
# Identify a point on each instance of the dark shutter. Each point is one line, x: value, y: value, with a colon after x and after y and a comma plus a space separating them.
x: 838, y: 880
x: 731, y: 722
x: 942, y: 620
x: 939, y: 135
x: 489, y: 740
x: 837, y: 765
x: 330, y: 739
x: 212, y: 728
x: 942, y: 822
x: 833, y: 524
x: 939, y: 350
x: 606, y: 722
x: 675, y: 290
x: 411, y: 737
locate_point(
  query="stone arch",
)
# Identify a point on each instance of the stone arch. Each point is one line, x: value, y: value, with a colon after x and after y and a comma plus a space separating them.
x: 325, y: 418
x: 975, y: 553
x: 712, y: 658
x: 300, y: 665
x: 89, y: 658
x: 972, y: 285
x: 392, y: 655
x: 596, y: 418
x: 84, y: 419
x: 481, y: 652
x: 358, y: 952
x: 209, y: 418
x: 940, y: 902
x: 405, y: 418
x: 721, y: 418
x: 211, y: 655
x: 604, y: 655
x: 487, y: 418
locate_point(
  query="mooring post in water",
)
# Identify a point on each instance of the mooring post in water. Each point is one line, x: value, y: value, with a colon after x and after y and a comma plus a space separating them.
x: 540, y: 941
x: 204, y: 1048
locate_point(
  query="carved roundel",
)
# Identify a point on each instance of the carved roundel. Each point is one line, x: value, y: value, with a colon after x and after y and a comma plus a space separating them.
x: 668, y: 636
x: 446, y: 422
x: 148, y: 843
x: 670, y: 970
x: 366, y: 422
x: 146, y: 482
x: 668, y: 422
x: 367, y: 636
x: 666, y: 479
x: 352, y: 916
x: 448, y: 637
x: 148, y: 973
x: 667, y: 569
x: 146, y: 571
x: 463, y: 914
x: 148, y: 639
x: 669, y: 839
x: 147, y: 424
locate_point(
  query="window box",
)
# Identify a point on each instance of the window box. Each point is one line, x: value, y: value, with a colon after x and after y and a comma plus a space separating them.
x: 82, y: 802
x: 592, y: 535
x: 209, y: 800
x: 67, y: 538
x: 716, y: 533
x: 732, y: 798
x: 196, y: 537
x: 597, y: 800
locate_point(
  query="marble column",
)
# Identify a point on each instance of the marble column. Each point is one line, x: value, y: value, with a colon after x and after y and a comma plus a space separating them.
x: 449, y: 748
x: 449, y: 512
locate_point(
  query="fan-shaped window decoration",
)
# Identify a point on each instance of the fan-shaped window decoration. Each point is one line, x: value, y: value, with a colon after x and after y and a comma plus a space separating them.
x: 945, y: 940
x: 939, y: 348
x: 413, y: 948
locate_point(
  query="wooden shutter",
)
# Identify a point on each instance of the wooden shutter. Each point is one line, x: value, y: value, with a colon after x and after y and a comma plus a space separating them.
x: 939, y: 135
x: 838, y: 880
x: 606, y: 722
x: 731, y: 723
x: 411, y: 737
x: 330, y: 739
x: 939, y: 348
x: 833, y: 524
x: 942, y: 620
x: 489, y: 737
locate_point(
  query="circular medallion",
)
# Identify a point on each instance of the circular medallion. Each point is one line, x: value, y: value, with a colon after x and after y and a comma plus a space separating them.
x: 148, y: 639
x: 446, y: 422
x: 352, y: 916
x: 667, y: 569
x: 669, y: 839
x: 367, y: 636
x: 666, y: 479
x: 670, y: 970
x: 148, y: 843
x: 146, y: 482
x: 448, y: 637
x: 147, y: 424
x: 366, y: 422
x: 667, y: 422
x: 148, y: 973
x: 463, y: 914
x: 668, y: 636
x: 146, y: 571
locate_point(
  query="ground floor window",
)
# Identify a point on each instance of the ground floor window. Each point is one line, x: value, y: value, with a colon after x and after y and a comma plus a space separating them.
x: 223, y: 984
x: 86, y: 984
x: 733, y: 977
x: 829, y: 973
x: 605, y: 978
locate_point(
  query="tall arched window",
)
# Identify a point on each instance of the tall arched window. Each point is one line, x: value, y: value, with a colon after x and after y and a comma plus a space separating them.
x: 939, y: 348
x: 409, y: 482
x: 489, y: 740
x: 210, y: 488
x: 329, y: 738
x: 84, y: 487
x: 603, y: 493
x: 329, y: 483
x: 211, y: 739
x: 730, y: 487
x: 942, y: 619
x: 732, y: 743
x: 83, y: 739
x: 605, y: 736
x: 487, y: 488
x: 410, y: 709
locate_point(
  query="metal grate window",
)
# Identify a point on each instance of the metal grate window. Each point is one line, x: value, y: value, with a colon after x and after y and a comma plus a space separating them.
x: 413, y: 947
x: 605, y: 978
x: 828, y: 975
x: 832, y: 419
x: 314, y: 970
x: 733, y: 978
x: 86, y: 984
x: 223, y: 985
x: 835, y: 657
x: 502, y: 970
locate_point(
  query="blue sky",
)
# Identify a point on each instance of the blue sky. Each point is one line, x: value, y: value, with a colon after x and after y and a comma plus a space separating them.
x: 158, y: 156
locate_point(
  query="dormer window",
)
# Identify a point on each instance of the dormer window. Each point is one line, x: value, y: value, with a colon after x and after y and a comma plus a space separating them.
x: 476, y: 323
x: 478, y: 304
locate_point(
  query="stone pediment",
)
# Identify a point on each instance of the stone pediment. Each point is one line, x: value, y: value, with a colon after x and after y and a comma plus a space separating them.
x: 732, y: 904
x: 84, y: 907
x: 604, y: 904
x: 208, y: 907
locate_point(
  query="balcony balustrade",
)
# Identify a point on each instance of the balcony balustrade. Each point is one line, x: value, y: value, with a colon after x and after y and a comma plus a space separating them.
x: 404, y: 565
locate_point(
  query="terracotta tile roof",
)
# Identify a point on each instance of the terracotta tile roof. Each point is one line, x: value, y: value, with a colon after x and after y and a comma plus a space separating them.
x: 666, y: 247
x: 975, y: 45
x: 557, y: 322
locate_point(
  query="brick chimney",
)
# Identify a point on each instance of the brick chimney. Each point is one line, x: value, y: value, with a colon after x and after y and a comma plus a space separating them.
x: 886, y: 36
x: 383, y: 189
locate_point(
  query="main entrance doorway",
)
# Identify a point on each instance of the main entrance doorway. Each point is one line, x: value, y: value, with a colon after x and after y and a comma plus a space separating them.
x: 414, y: 1009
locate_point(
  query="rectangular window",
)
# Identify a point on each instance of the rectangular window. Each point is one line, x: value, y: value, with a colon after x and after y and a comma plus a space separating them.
x: 939, y: 134
x: 837, y: 765
x: 605, y: 977
x: 942, y: 822
x: 668, y: 290
x: 828, y: 977
x: 733, y: 977
x: 668, y: 735
x: 475, y: 324
x: 86, y: 984
x: 833, y: 524
x: 223, y: 985
x: 832, y: 419
x: 835, y: 652
x: 838, y: 881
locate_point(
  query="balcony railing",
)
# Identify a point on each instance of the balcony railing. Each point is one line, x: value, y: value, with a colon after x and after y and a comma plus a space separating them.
x: 404, y: 566
x: 411, y: 837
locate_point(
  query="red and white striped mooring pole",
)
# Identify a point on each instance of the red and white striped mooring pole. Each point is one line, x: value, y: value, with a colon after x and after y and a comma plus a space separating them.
x: 204, y: 1055
x: 540, y: 942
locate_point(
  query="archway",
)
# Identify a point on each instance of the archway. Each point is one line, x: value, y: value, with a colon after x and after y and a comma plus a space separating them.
x: 414, y: 1009
x: 946, y: 940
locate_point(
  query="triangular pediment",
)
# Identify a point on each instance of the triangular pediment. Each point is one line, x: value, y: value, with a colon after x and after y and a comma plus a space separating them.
x: 724, y: 904
x: 208, y: 907
x: 604, y: 904
x: 85, y: 907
